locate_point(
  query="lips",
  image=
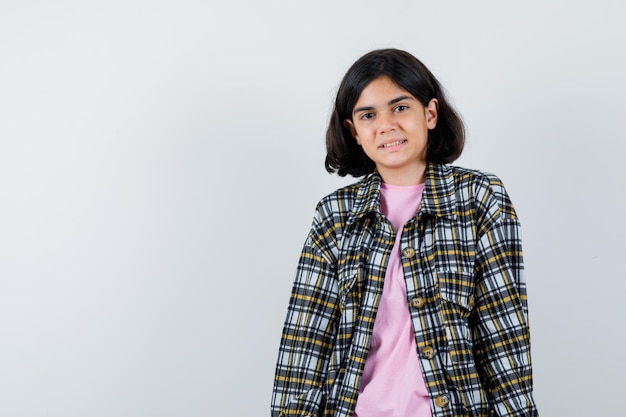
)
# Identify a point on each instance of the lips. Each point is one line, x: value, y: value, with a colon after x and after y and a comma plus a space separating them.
x: 394, y: 143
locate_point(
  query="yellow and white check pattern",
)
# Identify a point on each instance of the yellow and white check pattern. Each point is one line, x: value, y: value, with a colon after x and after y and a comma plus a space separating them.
x: 464, y: 275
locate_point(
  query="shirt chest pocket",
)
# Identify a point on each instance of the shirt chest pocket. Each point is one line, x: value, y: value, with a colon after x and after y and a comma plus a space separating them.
x: 456, y: 289
x: 349, y: 288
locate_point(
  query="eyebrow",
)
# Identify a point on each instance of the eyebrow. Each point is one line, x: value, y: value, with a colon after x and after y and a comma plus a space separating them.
x: 394, y: 101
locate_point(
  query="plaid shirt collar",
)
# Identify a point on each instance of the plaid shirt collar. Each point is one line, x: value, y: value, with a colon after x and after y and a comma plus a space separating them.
x: 438, y: 199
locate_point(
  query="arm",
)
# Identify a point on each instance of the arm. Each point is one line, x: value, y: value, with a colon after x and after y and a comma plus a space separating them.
x: 308, y: 333
x: 500, y: 319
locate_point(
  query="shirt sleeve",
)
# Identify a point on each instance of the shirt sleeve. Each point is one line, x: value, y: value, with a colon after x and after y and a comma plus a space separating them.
x: 308, y: 332
x: 500, y: 319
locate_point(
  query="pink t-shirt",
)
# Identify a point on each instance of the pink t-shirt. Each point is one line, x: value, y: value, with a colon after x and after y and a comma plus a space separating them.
x: 393, y: 384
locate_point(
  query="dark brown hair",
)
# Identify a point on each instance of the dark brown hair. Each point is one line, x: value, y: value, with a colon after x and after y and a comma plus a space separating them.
x: 445, y: 142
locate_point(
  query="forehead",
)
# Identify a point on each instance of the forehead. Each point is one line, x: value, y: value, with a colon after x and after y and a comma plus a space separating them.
x: 381, y: 90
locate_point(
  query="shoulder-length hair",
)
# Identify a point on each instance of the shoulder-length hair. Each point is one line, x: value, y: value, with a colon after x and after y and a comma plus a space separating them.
x: 343, y: 154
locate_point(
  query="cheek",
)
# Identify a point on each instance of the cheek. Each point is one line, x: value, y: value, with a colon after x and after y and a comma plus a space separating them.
x: 364, y: 133
x: 358, y: 135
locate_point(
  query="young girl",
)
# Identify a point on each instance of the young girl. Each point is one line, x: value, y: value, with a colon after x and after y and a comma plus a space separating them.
x: 409, y: 297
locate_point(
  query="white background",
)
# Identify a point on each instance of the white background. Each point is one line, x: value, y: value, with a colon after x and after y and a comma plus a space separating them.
x: 160, y: 162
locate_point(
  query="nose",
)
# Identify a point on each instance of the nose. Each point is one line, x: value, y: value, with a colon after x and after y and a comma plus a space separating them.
x: 386, y: 122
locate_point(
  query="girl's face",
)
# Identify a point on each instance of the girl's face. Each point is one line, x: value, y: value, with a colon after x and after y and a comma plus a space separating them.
x: 392, y: 128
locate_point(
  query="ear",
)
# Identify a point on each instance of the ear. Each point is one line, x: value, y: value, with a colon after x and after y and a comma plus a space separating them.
x: 350, y: 126
x: 432, y: 112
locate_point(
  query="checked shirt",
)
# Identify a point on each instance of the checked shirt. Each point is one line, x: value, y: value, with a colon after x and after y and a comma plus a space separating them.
x: 462, y: 264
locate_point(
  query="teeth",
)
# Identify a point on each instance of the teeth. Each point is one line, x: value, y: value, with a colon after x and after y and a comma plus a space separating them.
x: 398, y: 142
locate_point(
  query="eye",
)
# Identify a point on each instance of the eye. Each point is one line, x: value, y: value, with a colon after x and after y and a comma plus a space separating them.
x: 366, y: 116
x: 400, y: 108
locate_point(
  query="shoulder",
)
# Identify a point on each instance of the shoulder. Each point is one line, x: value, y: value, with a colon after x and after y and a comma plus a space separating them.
x: 332, y: 213
x: 339, y: 202
x: 462, y: 174
x: 485, y: 191
x: 336, y: 209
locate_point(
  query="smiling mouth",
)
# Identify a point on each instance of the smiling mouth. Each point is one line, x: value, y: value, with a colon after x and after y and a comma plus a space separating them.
x: 396, y: 143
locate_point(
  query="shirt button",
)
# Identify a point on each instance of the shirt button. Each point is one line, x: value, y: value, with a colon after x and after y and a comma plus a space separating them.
x: 470, y: 300
x: 442, y: 401
x: 417, y: 302
x: 409, y: 252
x: 428, y: 352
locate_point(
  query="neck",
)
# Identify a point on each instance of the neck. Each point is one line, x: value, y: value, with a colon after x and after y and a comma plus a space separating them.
x: 413, y: 176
